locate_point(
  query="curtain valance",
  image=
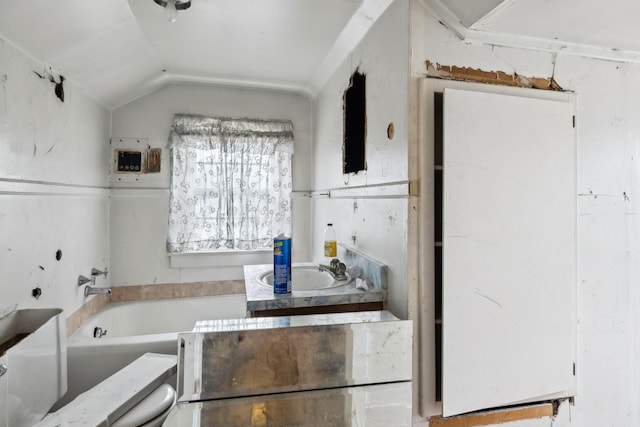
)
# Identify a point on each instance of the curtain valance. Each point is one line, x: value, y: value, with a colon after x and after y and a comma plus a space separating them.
x: 214, y: 132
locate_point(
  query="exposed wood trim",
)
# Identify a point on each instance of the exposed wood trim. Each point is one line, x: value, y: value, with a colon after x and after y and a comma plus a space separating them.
x: 453, y: 72
x: 494, y: 417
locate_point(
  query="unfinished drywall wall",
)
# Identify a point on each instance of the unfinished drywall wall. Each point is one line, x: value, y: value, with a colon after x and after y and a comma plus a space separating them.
x: 53, y: 195
x: 608, y: 224
x: 378, y: 223
x: 139, y: 209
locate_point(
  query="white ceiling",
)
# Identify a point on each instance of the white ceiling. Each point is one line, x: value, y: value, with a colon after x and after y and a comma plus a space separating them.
x: 597, y: 28
x: 118, y: 50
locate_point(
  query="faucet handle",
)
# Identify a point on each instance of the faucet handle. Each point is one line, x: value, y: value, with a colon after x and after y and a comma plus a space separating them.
x: 82, y: 280
x: 95, y: 272
x: 338, y: 266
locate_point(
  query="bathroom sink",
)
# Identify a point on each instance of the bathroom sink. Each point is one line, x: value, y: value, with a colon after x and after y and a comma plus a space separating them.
x: 304, y: 278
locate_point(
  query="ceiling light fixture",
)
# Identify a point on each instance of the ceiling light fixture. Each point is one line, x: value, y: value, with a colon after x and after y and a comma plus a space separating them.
x: 171, y: 7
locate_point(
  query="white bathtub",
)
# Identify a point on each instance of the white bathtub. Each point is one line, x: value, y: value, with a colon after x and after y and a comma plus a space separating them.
x: 134, y: 328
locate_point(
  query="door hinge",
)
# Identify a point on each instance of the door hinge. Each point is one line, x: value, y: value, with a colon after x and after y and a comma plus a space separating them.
x: 574, y: 369
x: 573, y: 121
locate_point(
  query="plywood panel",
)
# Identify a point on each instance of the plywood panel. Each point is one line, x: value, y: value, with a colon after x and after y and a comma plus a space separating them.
x: 490, y: 418
x: 509, y: 250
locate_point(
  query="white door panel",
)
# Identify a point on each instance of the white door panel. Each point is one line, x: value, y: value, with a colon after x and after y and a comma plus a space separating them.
x: 509, y: 250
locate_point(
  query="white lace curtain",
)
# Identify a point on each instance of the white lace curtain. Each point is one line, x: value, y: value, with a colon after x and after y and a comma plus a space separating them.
x: 230, y: 183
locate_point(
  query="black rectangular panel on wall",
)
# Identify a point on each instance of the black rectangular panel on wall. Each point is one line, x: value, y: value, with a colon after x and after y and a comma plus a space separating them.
x: 437, y: 128
x: 355, y: 124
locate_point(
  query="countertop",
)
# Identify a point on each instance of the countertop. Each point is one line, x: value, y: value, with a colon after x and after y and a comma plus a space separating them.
x: 260, y: 297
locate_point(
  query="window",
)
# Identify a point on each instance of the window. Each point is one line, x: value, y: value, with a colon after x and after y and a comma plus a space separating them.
x: 230, y: 183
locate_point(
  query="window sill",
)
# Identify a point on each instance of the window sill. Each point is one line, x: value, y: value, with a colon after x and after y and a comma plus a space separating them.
x: 220, y: 259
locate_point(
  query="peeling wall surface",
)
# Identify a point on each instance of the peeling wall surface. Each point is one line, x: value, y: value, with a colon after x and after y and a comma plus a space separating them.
x: 379, y: 224
x: 53, y: 187
x: 469, y: 74
x: 608, y: 365
x: 139, y: 209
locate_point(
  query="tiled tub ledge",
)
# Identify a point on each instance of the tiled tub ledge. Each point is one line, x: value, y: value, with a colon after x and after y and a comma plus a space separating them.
x: 261, y: 298
x: 152, y: 292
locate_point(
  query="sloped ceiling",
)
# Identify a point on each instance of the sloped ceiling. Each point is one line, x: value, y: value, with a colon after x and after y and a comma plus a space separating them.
x: 118, y: 50
x: 595, y: 28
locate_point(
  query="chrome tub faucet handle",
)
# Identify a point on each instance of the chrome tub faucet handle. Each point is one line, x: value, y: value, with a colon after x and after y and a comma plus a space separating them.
x: 95, y: 272
x: 82, y: 280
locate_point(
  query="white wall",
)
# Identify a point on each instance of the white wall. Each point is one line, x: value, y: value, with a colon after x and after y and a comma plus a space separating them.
x: 380, y: 224
x: 53, y: 187
x: 139, y: 210
x: 608, y: 368
x: 45, y: 143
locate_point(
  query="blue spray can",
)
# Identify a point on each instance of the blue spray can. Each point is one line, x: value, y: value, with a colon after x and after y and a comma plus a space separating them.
x: 282, y: 265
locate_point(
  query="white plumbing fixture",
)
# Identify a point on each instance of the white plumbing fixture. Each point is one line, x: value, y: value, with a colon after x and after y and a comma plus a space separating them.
x: 151, y: 411
x: 305, y: 278
x: 33, y: 364
x: 135, y: 395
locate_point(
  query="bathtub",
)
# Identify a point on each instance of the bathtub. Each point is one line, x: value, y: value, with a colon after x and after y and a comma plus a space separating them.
x: 134, y: 328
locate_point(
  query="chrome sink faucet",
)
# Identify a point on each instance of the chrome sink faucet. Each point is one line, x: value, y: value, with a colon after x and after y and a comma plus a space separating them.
x: 336, y: 269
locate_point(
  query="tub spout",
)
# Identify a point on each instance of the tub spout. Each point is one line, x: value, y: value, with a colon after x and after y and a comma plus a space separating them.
x: 89, y: 290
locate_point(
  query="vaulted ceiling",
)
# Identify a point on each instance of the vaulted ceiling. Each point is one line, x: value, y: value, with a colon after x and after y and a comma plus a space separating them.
x: 117, y: 50
x: 596, y: 28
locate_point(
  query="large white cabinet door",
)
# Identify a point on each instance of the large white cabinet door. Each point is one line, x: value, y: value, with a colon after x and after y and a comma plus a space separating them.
x: 509, y: 250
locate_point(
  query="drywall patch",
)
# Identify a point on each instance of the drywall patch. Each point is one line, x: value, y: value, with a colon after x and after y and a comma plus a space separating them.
x: 453, y: 72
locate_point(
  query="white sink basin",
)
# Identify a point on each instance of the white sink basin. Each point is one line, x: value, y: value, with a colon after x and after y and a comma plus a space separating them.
x: 33, y: 364
x: 305, y: 278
